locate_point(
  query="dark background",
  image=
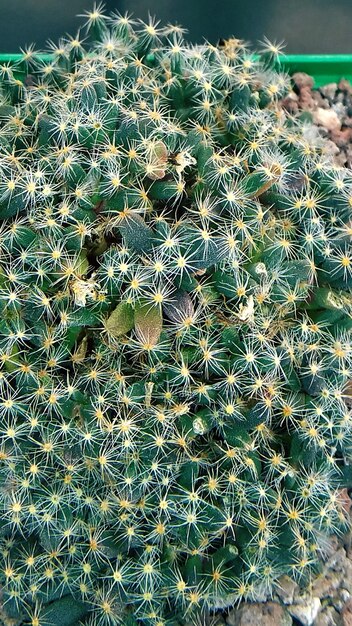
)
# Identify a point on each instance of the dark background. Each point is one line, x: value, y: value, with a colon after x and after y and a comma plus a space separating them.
x: 307, y: 26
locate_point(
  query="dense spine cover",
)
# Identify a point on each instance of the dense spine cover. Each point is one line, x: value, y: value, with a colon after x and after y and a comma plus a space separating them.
x: 175, y: 333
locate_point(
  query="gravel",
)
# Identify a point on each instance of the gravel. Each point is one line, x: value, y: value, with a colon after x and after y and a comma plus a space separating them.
x: 328, y: 109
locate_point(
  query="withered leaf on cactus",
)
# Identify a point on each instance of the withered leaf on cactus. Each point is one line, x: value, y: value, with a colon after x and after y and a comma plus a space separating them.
x: 148, y: 323
x: 120, y: 321
x: 157, y: 162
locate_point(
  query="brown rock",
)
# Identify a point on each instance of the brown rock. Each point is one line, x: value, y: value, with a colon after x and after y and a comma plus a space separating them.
x: 285, y: 589
x: 325, y: 584
x: 306, y: 611
x: 337, y: 560
x: 301, y: 80
x: 328, y: 617
x: 347, y: 614
x: 341, y: 137
x: 327, y: 118
x: 346, y: 582
x: 339, y: 564
x: 340, y: 599
x: 306, y: 100
x: 334, y: 544
x: 320, y: 101
x: 329, y: 90
x: 345, y: 596
x: 345, y: 85
x: 267, y: 614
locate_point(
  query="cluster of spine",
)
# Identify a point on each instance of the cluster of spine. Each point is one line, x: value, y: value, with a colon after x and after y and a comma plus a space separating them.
x: 175, y: 332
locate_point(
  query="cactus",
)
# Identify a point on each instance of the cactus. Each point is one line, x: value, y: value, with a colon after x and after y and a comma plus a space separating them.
x: 175, y: 333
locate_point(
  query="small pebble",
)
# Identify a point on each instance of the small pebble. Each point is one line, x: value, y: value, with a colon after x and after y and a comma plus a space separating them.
x: 328, y: 617
x: 301, y: 79
x: 268, y: 614
x: 327, y: 118
x: 345, y: 85
x: 329, y: 90
x: 347, y: 614
x: 305, y: 612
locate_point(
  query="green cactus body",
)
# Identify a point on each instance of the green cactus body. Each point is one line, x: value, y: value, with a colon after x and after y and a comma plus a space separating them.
x: 175, y: 333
